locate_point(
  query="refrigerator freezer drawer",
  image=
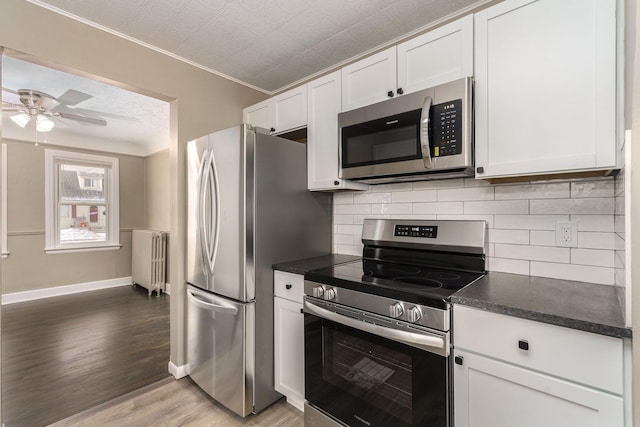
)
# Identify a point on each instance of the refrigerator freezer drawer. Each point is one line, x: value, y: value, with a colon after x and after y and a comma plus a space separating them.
x: 220, y: 332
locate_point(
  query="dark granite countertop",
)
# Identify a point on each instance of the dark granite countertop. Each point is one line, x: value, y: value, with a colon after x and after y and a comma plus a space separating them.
x: 577, y: 305
x: 301, y: 266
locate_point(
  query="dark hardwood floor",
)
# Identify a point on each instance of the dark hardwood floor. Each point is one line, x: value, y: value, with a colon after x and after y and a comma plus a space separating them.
x: 63, y: 355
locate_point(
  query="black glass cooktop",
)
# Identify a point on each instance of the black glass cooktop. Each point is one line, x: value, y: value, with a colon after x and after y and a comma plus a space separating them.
x: 417, y: 284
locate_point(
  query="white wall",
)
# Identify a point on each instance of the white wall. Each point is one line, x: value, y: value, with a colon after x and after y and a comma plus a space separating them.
x: 521, y: 221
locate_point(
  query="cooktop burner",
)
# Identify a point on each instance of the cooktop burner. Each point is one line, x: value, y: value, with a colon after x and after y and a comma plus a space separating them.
x: 418, y: 284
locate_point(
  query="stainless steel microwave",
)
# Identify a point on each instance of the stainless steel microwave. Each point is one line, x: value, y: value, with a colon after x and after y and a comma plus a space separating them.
x: 423, y: 135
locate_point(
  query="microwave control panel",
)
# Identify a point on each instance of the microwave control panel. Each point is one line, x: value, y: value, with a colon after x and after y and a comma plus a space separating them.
x: 447, y: 129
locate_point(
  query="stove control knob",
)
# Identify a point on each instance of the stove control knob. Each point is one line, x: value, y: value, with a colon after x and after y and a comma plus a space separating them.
x: 318, y: 291
x: 414, y: 314
x: 396, y: 310
x: 329, y: 294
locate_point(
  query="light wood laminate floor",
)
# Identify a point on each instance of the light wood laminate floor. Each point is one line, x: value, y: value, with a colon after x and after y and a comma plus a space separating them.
x: 63, y: 355
x: 170, y: 403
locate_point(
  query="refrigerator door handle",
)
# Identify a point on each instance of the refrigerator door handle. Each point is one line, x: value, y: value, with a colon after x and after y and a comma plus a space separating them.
x: 202, y: 213
x: 213, y: 223
x: 225, y: 308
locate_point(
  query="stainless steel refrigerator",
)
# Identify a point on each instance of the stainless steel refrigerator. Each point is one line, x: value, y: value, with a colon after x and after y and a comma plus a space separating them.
x: 248, y: 207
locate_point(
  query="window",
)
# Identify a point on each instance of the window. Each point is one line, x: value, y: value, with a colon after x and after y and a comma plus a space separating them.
x: 81, y: 201
x: 3, y: 199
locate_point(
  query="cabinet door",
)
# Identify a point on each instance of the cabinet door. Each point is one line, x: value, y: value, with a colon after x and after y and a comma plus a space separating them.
x: 322, y: 135
x: 369, y: 80
x: 439, y: 56
x: 289, y: 350
x: 545, y: 87
x: 290, y: 109
x: 259, y: 114
x: 489, y: 393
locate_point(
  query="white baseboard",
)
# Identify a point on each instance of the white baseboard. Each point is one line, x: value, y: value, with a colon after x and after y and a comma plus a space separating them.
x: 64, y: 290
x: 178, y: 371
x: 167, y: 288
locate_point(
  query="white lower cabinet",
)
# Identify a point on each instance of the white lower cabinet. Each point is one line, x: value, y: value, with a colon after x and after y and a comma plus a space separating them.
x: 516, y: 372
x: 289, y: 337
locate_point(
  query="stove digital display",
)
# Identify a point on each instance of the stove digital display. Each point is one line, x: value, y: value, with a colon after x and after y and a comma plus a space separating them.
x: 428, y: 231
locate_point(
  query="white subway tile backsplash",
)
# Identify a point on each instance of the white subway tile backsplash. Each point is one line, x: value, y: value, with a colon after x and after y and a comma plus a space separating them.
x: 521, y: 221
x: 533, y: 253
x: 529, y: 222
x: 446, y: 183
x: 533, y: 191
x: 514, y: 266
x: 497, y: 207
x: 596, y: 240
x: 599, y: 188
x: 581, y: 273
x: 352, y: 209
x: 347, y: 229
x: 392, y: 208
x: 343, y: 198
x: 603, y: 223
x: 414, y: 196
x: 372, y: 198
x: 573, y: 206
x: 596, y: 257
x: 343, y: 219
x: 438, y: 208
x: 518, y: 237
x: 542, y: 238
x: 463, y: 194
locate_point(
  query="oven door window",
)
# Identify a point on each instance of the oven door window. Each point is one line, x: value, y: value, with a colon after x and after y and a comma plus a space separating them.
x: 390, y: 139
x: 366, y: 380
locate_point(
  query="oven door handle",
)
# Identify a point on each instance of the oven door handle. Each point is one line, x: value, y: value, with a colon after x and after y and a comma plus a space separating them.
x: 430, y: 342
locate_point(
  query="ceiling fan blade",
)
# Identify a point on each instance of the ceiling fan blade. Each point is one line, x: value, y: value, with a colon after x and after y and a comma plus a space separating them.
x: 11, y: 96
x: 84, y: 119
x: 6, y: 89
x: 73, y: 97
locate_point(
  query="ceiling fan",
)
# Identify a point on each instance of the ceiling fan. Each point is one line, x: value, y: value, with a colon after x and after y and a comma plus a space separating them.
x: 43, y: 107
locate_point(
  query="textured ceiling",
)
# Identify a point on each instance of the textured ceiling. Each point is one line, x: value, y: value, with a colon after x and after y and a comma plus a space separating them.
x: 267, y: 44
x: 136, y: 124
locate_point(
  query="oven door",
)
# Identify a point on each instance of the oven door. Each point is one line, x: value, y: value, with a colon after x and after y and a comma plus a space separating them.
x: 364, y: 379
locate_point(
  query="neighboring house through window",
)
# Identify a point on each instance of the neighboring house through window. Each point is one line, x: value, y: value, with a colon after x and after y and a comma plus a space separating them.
x: 81, y: 201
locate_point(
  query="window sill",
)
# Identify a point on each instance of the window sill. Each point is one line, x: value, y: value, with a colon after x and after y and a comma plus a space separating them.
x: 52, y: 251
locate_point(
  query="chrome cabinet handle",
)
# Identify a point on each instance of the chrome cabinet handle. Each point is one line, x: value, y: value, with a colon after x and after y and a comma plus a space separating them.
x: 425, y: 122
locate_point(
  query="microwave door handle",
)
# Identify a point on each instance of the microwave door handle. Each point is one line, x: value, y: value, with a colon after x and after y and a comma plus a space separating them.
x: 425, y: 122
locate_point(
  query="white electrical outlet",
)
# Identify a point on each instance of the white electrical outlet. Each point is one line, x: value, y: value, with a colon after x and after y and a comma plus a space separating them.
x: 567, y: 233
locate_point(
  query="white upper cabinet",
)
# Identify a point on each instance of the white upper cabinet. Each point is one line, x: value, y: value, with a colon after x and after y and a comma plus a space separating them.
x: 259, y: 114
x: 545, y: 87
x: 439, y: 56
x: 290, y: 109
x: 370, y: 80
x: 322, y: 136
x: 280, y: 113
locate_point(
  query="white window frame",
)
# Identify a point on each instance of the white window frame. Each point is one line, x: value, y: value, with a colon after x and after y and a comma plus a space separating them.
x: 52, y: 242
x: 3, y: 195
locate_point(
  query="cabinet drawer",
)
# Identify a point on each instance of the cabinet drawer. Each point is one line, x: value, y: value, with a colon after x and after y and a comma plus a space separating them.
x: 288, y: 285
x: 583, y: 357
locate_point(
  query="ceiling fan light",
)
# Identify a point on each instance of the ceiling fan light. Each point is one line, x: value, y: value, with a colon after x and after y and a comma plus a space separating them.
x: 44, y: 124
x: 21, y: 119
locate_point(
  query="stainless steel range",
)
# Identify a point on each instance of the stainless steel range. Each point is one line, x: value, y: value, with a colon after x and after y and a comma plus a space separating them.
x: 377, y: 330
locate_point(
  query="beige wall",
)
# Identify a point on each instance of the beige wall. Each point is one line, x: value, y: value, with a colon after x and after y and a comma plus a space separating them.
x: 156, y: 191
x: 28, y: 267
x: 201, y: 102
